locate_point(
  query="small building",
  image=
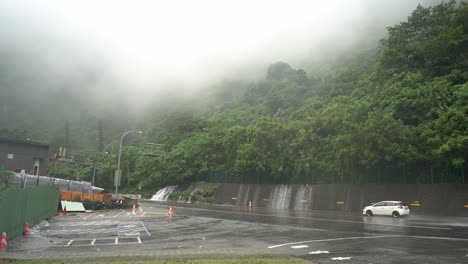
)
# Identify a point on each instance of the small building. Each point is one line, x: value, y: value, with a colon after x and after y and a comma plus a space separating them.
x: 18, y: 155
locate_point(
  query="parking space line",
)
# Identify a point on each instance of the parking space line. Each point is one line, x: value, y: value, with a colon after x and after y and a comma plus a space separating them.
x: 146, y: 229
x: 114, y: 242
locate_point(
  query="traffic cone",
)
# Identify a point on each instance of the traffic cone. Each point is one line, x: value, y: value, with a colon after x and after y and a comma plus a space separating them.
x: 134, y: 209
x: 65, y: 211
x: 26, y: 230
x: 3, y: 242
x: 170, y: 213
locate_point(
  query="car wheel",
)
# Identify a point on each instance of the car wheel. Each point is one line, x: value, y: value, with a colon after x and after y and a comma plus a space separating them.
x: 369, y: 213
x: 395, y: 214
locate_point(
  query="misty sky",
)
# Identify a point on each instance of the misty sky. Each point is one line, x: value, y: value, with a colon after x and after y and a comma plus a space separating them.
x: 149, y: 46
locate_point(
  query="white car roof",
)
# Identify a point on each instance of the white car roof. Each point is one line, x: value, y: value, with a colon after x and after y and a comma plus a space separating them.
x: 390, y: 202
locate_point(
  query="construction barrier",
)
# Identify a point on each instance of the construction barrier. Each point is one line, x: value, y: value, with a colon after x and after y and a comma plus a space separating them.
x: 31, y: 205
x: 83, y: 197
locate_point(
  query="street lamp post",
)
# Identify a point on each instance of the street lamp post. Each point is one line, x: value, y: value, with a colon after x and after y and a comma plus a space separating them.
x: 94, y: 169
x: 118, y: 173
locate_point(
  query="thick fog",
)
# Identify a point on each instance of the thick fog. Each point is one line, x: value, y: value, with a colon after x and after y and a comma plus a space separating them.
x: 110, y: 51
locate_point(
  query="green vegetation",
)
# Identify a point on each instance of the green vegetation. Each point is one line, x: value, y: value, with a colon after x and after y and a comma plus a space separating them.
x: 199, y: 195
x: 395, y: 114
x: 4, y: 176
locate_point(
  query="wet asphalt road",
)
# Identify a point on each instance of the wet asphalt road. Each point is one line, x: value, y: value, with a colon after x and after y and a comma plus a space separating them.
x: 207, y: 231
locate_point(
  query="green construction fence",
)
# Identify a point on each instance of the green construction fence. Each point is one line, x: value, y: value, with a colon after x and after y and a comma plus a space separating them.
x: 31, y: 205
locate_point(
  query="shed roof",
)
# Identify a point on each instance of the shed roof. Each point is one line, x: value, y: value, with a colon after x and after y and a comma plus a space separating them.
x: 24, y: 141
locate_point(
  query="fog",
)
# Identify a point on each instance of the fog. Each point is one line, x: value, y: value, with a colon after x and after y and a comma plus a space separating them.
x: 136, y: 52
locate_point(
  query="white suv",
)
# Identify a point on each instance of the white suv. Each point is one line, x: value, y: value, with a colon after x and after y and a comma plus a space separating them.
x: 393, y: 208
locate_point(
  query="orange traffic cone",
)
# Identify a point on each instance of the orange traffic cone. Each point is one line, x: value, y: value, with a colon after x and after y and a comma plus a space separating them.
x: 26, y: 230
x: 134, y: 209
x: 170, y: 213
x: 3, y: 242
x: 65, y: 211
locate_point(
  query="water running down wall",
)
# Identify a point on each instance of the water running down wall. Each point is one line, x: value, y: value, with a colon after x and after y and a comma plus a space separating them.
x: 437, y: 199
x: 163, y: 194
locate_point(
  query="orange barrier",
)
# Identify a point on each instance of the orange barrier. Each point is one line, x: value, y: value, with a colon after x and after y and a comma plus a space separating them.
x: 65, y: 196
x: 82, y: 197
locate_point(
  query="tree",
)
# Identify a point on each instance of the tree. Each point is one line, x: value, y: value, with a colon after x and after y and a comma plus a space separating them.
x: 432, y: 41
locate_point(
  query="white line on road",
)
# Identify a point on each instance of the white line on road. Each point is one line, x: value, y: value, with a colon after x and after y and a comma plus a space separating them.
x: 94, y: 240
x: 319, y: 252
x: 341, y: 258
x: 69, y: 243
x: 300, y: 246
x: 330, y: 239
x: 370, y: 237
x: 139, y: 240
x: 438, y: 238
x: 116, y: 240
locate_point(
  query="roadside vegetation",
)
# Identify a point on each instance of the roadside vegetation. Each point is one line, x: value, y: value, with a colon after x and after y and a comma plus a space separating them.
x: 199, y: 195
x: 398, y: 109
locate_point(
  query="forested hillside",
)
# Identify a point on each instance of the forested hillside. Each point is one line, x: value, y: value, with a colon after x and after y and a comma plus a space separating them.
x: 397, y: 113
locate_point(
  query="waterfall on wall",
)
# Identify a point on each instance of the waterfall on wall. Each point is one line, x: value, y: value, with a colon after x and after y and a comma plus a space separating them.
x: 281, y: 196
x: 182, y: 199
x: 163, y: 194
x: 303, y: 197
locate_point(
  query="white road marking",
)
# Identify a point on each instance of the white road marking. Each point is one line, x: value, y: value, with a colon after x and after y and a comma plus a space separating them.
x: 126, y: 225
x: 353, y: 238
x: 103, y: 227
x: 438, y: 238
x: 300, y: 246
x: 95, y: 231
x: 130, y: 234
x: 100, y: 222
x: 69, y: 243
x: 112, y: 242
x: 330, y: 239
x: 341, y: 258
x: 318, y: 252
x: 116, y: 240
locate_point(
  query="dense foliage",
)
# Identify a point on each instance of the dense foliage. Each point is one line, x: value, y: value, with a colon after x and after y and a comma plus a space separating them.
x: 399, y: 111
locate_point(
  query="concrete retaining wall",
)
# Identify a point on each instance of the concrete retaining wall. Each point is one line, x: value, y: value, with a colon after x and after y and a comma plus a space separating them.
x: 436, y: 199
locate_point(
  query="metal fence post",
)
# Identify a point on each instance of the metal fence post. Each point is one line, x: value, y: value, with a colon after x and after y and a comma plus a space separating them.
x: 462, y: 174
x: 432, y: 176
